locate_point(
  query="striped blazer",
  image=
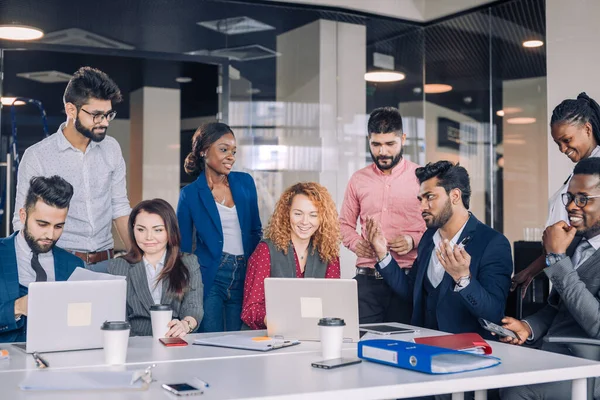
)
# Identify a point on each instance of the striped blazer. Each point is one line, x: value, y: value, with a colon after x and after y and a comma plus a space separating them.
x: 139, y: 298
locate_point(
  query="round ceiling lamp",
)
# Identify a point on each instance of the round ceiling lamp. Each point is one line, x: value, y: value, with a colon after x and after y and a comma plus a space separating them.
x: 8, y: 101
x: 384, y: 76
x: 533, y: 43
x: 508, y: 110
x: 20, y: 32
x: 433, y: 88
x: 521, y: 120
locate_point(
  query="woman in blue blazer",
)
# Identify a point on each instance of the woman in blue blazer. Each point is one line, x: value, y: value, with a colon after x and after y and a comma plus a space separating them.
x: 222, y: 207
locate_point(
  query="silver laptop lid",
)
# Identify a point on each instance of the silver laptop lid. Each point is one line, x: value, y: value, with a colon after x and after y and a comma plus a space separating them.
x: 68, y: 315
x: 294, y: 306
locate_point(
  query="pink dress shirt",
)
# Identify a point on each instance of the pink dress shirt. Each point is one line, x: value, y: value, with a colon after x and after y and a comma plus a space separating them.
x: 390, y: 199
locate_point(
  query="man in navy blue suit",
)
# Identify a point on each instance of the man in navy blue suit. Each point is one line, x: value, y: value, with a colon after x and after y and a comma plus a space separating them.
x: 463, y: 267
x: 30, y: 255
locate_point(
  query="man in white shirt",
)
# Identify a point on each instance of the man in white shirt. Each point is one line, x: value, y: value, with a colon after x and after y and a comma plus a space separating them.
x: 82, y: 154
x: 30, y: 255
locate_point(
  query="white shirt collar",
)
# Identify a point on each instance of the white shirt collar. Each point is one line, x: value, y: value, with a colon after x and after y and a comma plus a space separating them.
x: 437, y: 237
x: 161, y: 262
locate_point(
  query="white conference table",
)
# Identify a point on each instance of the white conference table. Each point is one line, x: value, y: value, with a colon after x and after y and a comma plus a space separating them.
x: 287, y: 374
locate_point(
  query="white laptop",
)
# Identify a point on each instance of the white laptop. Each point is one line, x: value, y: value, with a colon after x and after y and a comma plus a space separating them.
x: 294, y: 306
x: 68, y: 315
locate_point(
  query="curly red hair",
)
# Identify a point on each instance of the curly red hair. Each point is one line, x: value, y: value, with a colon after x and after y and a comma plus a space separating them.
x: 326, y: 240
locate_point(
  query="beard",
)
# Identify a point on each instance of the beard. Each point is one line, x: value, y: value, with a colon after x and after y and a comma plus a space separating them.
x: 34, y: 244
x: 395, y: 160
x: 442, y: 218
x: 89, y: 133
x: 591, y: 231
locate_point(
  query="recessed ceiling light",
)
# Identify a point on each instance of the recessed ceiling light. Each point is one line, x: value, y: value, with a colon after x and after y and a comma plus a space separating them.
x: 253, y: 91
x: 20, y: 32
x: 437, y: 88
x: 183, y: 79
x: 384, y: 76
x: 521, y: 120
x: 533, y: 43
x: 508, y: 110
x: 8, y: 101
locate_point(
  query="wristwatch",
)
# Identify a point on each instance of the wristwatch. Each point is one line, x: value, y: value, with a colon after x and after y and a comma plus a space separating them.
x: 463, y: 281
x: 552, y: 258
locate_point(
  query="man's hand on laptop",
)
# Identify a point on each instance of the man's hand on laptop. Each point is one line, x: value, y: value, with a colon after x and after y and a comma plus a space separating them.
x: 20, y: 307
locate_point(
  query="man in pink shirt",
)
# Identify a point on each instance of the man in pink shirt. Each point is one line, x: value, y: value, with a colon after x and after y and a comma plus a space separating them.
x: 387, y: 191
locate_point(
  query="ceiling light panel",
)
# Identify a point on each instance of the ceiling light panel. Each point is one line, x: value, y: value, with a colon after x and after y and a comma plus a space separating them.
x: 236, y: 25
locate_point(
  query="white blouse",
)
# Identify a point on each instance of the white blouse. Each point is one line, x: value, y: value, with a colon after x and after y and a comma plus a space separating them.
x: 232, y: 232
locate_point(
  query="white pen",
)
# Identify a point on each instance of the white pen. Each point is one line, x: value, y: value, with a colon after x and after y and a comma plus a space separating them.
x: 203, y: 383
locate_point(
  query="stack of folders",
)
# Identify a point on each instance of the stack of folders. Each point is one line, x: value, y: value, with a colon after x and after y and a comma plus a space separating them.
x: 470, y: 342
x: 423, y: 358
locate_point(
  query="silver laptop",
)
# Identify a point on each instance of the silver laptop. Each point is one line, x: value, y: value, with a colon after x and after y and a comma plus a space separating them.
x: 294, y: 306
x: 68, y: 315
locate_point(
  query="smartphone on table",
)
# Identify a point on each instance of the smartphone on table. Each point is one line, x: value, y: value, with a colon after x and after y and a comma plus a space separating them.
x: 336, y: 363
x: 173, y: 341
x: 182, y: 389
x: 497, y: 329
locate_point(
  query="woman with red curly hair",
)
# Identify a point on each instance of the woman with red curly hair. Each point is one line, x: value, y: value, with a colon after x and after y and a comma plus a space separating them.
x: 302, y: 240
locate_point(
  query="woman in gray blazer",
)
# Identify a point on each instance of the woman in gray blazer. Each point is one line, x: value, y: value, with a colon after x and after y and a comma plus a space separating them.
x: 158, y: 273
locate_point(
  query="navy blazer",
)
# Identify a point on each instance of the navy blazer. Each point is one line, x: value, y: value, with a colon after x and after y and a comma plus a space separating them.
x: 197, y: 209
x: 64, y: 265
x: 485, y: 297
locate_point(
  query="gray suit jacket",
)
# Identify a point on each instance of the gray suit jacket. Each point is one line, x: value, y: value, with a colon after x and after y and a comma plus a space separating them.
x: 573, y: 307
x: 139, y: 298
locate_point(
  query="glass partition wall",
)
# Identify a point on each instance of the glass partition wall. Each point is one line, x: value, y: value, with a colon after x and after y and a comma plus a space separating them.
x: 292, y: 86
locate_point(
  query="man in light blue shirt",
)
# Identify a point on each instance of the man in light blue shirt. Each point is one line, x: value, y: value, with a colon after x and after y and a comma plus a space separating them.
x: 82, y: 154
x: 30, y: 255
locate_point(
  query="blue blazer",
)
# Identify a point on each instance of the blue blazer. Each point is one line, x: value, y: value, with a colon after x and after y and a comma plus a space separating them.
x: 197, y: 208
x: 64, y: 265
x: 485, y: 297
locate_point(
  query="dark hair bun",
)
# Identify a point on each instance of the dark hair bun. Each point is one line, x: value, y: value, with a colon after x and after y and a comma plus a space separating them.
x: 190, y: 165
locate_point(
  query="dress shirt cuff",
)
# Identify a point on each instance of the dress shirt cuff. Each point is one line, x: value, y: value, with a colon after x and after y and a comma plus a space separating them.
x: 386, y: 261
x: 459, y: 288
x: 531, y: 338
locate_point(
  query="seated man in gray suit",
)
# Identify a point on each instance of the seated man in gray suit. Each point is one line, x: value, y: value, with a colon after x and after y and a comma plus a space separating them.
x: 573, y: 266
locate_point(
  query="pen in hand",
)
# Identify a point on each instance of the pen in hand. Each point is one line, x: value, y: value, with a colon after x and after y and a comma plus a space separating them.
x: 39, y: 361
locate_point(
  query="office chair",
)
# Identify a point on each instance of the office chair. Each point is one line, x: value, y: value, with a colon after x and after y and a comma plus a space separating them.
x: 583, y: 348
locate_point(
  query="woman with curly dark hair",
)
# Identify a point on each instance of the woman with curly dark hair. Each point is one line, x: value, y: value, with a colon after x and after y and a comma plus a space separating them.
x: 302, y: 240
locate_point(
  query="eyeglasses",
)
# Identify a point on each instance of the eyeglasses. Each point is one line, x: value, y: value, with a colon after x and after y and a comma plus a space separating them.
x: 99, y: 117
x: 581, y: 200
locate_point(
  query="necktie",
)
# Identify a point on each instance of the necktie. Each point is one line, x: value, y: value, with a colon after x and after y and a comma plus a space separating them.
x: 40, y: 274
x: 583, y: 251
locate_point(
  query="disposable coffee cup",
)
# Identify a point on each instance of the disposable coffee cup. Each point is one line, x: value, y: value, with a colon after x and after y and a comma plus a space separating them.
x: 161, y: 315
x: 332, y: 335
x: 116, y: 339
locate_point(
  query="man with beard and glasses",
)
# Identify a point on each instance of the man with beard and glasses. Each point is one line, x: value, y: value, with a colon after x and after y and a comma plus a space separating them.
x: 81, y: 153
x: 573, y: 267
x: 30, y: 255
x: 385, y: 190
x: 463, y: 267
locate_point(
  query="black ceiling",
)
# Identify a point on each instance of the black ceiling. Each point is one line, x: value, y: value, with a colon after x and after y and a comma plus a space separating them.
x: 455, y: 50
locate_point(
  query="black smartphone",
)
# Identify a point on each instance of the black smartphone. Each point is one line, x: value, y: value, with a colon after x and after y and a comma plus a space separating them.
x: 497, y: 329
x: 336, y: 363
